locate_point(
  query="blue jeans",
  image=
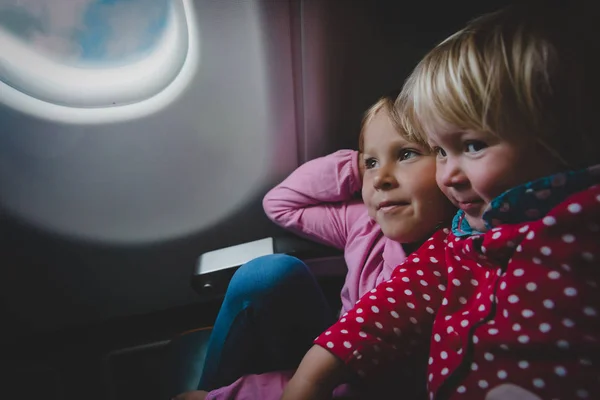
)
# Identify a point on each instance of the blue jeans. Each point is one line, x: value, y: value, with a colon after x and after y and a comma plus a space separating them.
x: 272, y: 311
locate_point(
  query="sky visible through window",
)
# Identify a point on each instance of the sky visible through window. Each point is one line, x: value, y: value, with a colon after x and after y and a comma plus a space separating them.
x: 86, y: 31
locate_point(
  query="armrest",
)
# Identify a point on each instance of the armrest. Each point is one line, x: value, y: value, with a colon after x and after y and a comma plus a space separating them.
x: 214, y: 269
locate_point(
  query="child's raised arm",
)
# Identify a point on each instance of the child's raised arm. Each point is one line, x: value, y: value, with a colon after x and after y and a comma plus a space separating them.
x: 313, y: 200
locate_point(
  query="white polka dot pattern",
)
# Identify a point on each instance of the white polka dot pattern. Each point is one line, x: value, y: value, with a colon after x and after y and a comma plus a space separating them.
x: 540, y: 291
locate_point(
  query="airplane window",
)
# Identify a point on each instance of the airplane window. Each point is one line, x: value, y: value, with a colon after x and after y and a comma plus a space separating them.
x: 86, y: 29
x: 90, y: 54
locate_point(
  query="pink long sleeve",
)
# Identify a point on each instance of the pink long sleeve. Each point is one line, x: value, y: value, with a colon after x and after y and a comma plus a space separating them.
x: 312, y: 201
x: 318, y: 201
x: 396, y: 317
x: 268, y: 386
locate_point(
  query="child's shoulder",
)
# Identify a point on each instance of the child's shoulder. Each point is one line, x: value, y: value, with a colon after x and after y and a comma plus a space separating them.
x: 438, y: 240
x: 568, y: 233
x: 433, y: 248
x: 584, y: 204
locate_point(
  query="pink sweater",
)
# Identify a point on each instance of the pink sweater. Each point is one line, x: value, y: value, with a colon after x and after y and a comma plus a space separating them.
x: 318, y: 201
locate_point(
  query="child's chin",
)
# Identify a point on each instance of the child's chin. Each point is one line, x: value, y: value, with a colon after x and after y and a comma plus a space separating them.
x: 400, y: 235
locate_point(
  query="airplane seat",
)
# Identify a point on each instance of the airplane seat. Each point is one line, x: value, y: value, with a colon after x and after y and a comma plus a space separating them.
x: 210, y: 279
x: 184, y: 362
x: 214, y: 269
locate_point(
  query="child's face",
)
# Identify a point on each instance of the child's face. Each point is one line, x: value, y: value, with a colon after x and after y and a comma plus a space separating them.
x: 399, y: 187
x: 473, y: 168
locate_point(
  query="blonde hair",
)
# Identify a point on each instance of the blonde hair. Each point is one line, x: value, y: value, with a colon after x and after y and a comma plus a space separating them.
x: 387, y: 103
x: 522, y: 73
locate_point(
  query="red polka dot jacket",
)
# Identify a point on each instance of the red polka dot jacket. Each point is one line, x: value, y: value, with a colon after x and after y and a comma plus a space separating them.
x: 514, y: 308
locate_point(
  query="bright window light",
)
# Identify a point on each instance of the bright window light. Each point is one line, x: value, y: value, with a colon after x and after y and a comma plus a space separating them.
x: 94, y: 61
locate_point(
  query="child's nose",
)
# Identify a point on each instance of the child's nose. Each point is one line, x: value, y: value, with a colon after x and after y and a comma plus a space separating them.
x: 385, y: 180
x: 451, y: 175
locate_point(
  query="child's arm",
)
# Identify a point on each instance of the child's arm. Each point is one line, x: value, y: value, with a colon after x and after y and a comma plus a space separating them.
x: 394, y: 318
x: 312, y: 200
x: 317, y: 376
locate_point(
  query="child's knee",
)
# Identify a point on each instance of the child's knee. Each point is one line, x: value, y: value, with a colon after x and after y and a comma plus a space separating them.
x: 273, y: 267
x: 263, y: 275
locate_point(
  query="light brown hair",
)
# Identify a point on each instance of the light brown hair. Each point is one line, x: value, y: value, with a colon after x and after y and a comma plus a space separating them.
x: 528, y: 71
x: 386, y: 103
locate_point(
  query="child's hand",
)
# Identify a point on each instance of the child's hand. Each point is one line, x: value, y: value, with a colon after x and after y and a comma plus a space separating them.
x: 318, y: 374
x: 195, y: 395
x: 510, y: 391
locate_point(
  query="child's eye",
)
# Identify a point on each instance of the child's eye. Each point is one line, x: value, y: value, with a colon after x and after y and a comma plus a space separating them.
x: 474, y: 146
x: 439, y: 152
x: 406, y: 154
x: 370, y: 163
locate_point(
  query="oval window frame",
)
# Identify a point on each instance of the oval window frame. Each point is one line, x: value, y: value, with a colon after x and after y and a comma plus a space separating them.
x: 41, y: 87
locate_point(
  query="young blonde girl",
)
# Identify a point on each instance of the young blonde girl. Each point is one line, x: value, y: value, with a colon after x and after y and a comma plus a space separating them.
x: 274, y: 308
x: 508, y: 299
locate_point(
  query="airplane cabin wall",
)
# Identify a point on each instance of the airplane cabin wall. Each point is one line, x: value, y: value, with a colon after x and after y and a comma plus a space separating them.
x: 106, y: 220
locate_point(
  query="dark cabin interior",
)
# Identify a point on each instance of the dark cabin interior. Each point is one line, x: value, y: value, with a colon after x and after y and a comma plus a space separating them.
x: 93, y: 318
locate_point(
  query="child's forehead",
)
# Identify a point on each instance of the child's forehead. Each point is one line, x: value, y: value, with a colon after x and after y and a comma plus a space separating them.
x: 442, y: 130
x: 379, y: 128
x: 382, y: 142
x: 381, y: 133
x: 453, y: 134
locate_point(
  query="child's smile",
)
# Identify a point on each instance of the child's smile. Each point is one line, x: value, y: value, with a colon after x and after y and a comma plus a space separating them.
x: 473, y: 168
x: 399, y: 187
